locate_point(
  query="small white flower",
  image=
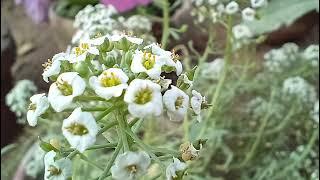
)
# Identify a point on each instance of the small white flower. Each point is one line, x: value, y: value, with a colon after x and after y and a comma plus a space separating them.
x: 144, y: 98
x: 248, y: 14
x: 312, y: 54
x: 177, y: 102
x: 241, y: 31
x: 173, y: 168
x: 52, y: 67
x: 62, y: 92
x: 80, y: 129
x: 56, y: 169
x: 258, y: 3
x: 117, y: 37
x: 232, y: 7
x: 299, y: 88
x: 147, y: 62
x: 39, y: 105
x: 86, y: 47
x: 130, y: 165
x: 213, y: 69
x: 110, y: 83
x: 167, y: 57
x: 315, y: 112
x: 212, y: 2
x: 221, y: 9
x: 196, y: 102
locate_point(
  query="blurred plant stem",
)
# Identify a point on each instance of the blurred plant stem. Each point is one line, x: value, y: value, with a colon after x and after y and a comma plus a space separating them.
x: 165, y: 25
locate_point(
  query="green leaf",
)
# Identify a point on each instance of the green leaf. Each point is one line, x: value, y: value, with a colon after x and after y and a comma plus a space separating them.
x: 46, y: 146
x: 281, y: 13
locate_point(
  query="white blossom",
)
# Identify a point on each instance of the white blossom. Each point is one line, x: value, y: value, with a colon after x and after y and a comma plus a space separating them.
x: 174, y: 167
x: 196, y: 102
x: 232, y: 7
x: 213, y: 2
x: 213, y: 69
x: 299, y: 88
x: 118, y: 37
x: 130, y: 165
x: 138, y: 22
x: 110, y: 83
x: 39, y: 105
x: 56, y: 169
x: 80, y: 129
x: 62, y: 92
x: 81, y: 52
x: 144, y: 98
x: 167, y: 57
x: 148, y: 63
x: 258, y: 3
x: 311, y: 53
x: 241, y: 31
x: 248, y: 14
x: 177, y: 103
x: 52, y: 67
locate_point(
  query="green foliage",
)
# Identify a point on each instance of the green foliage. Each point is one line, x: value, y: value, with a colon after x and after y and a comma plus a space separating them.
x: 69, y: 8
x: 281, y: 13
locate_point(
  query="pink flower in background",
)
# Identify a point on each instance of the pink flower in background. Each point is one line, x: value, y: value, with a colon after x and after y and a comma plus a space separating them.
x: 36, y: 9
x: 125, y: 5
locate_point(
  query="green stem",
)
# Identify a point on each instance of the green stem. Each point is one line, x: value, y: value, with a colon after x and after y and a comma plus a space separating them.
x: 108, y: 126
x: 123, y: 124
x: 111, y: 161
x: 89, y: 98
x: 145, y: 147
x: 72, y: 154
x: 106, y: 112
x: 137, y: 127
x: 85, y: 158
x: 304, y: 154
x: 166, y: 25
x: 103, y: 146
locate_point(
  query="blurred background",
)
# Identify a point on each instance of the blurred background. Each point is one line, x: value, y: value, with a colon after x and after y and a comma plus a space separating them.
x: 32, y: 31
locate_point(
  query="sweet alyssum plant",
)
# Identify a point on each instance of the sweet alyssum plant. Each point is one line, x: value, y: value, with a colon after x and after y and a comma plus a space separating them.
x: 115, y: 82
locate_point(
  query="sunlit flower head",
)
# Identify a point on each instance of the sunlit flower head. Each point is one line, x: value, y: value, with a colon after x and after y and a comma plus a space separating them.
x: 62, y: 92
x: 130, y: 165
x: 248, y: 14
x: 241, y: 31
x: 144, y: 98
x: 39, y: 105
x: 80, y: 129
x: 81, y: 52
x: 60, y: 169
x: 118, y: 37
x: 110, y: 83
x: 176, y: 102
x: 232, y: 7
x: 52, y: 67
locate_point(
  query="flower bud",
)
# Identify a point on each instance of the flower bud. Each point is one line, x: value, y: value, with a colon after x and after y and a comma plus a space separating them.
x: 110, y: 61
x: 106, y: 46
x: 81, y: 68
x: 55, y: 143
x: 188, y: 152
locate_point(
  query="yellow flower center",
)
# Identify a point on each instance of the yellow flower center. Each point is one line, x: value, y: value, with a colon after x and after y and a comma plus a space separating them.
x: 132, y: 169
x: 32, y: 107
x: 77, y: 129
x: 64, y: 87
x: 179, y: 102
x: 109, y: 79
x: 143, y: 96
x: 82, y: 49
x: 54, y: 171
x: 148, y: 60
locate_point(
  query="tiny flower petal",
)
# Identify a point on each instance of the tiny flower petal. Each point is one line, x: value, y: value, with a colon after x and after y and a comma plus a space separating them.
x: 56, y: 169
x: 173, y: 168
x: 177, y: 102
x: 39, y: 105
x: 232, y: 7
x: 80, y: 129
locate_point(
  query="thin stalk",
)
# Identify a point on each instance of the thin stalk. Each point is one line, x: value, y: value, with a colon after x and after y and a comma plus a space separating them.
x: 123, y: 124
x: 103, y: 146
x: 89, y: 98
x: 145, y: 147
x: 106, y: 112
x: 166, y: 25
x: 108, y: 126
x: 85, y: 158
x: 111, y: 161
x: 72, y: 154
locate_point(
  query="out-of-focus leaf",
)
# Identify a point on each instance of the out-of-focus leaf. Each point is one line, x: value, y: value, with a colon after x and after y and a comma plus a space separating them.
x: 281, y: 13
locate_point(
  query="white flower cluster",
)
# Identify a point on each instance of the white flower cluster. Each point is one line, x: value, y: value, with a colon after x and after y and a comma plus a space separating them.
x: 258, y: 107
x: 102, y: 20
x: 17, y: 98
x: 297, y: 88
x: 213, y: 70
x: 134, y: 82
x: 279, y: 60
x: 315, y: 112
